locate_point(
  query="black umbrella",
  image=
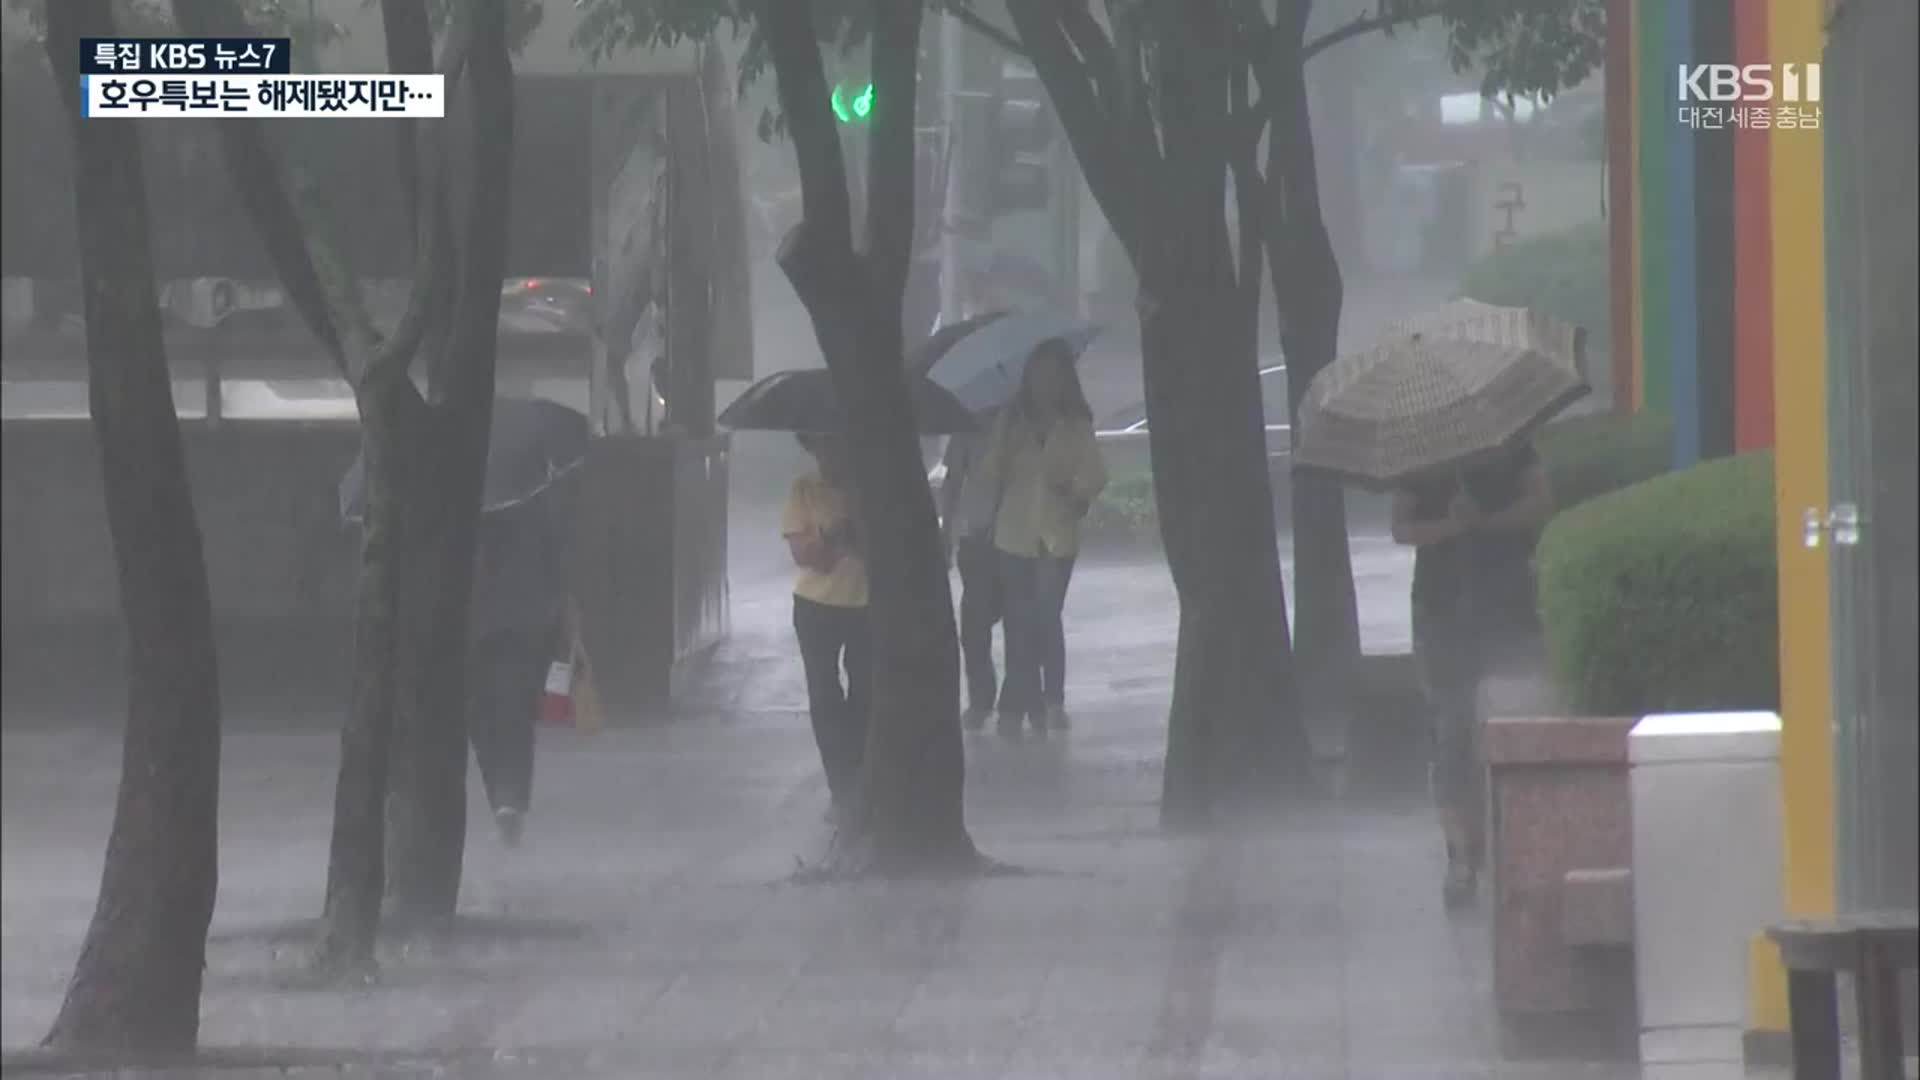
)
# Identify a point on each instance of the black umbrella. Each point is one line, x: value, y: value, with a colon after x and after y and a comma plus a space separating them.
x: 532, y: 444
x: 805, y: 402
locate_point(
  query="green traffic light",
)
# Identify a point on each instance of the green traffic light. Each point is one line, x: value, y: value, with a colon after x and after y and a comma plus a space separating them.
x: 850, y: 105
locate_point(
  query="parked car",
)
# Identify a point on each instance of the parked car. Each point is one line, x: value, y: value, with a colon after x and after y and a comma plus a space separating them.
x: 1123, y: 438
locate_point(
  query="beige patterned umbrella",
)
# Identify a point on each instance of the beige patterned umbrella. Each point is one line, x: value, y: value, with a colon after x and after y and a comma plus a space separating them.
x: 1491, y: 324
x: 1419, y: 405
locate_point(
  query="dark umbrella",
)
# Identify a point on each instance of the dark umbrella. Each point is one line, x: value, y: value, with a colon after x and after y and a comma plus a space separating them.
x: 533, y: 442
x: 805, y: 402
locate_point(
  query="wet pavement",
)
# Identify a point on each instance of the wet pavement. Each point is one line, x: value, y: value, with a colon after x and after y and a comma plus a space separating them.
x: 650, y: 926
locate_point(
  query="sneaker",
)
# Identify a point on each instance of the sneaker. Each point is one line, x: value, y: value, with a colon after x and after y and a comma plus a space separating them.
x: 1057, y: 717
x: 511, y: 822
x: 975, y: 718
x: 1010, y: 724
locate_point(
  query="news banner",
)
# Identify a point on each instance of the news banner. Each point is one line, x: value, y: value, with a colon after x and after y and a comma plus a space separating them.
x: 227, y: 77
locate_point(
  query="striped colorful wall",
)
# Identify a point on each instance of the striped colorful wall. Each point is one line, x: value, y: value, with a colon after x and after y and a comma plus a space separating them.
x: 1719, y: 318
x: 1696, y: 271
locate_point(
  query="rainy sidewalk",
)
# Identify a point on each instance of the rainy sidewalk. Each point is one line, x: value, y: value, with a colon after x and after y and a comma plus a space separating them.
x: 650, y: 928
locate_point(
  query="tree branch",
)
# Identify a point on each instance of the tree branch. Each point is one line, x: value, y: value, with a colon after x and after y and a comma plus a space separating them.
x: 1095, y: 50
x: 469, y: 349
x: 1376, y: 20
x: 1097, y: 135
x: 891, y: 154
x: 421, y: 152
x: 972, y: 20
x: 800, y: 80
x: 269, y: 203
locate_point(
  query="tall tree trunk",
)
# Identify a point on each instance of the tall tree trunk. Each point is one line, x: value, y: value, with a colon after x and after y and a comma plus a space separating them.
x: 1233, y: 734
x: 428, y: 816
x: 1307, y: 293
x: 136, y: 986
x: 909, y: 812
x: 910, y: 809
x: 393, y: 421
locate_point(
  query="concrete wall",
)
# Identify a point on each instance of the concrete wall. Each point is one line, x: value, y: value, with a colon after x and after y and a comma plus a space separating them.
x: 649, y: 562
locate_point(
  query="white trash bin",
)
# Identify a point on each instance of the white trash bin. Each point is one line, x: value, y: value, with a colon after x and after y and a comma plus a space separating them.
x: 1706, y: 880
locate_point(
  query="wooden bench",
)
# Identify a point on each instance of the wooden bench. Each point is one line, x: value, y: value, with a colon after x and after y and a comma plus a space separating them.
x: 1874, y: 948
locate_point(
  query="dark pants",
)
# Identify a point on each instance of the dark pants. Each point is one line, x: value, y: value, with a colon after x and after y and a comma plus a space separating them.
x: 1036, y: 594
x: 506, y: 678
x: 833, y: 639
x: 982, y: 604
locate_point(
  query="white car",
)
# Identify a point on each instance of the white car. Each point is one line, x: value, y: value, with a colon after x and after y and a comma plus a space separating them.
x: 1123, y: 438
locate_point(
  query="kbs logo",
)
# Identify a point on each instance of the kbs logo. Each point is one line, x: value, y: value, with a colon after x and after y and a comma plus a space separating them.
x: 1751, y: 83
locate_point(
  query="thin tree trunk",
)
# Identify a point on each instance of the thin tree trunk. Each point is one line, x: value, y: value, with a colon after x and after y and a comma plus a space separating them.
x: 136, y: 986
x: 392, y: 418
x: 1307, y: 292
x: 429, y: 812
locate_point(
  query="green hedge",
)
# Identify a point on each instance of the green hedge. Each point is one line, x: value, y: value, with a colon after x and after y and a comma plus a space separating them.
x: 1563, y: 274
x: 1662, y: 596
x: 1592, y: 455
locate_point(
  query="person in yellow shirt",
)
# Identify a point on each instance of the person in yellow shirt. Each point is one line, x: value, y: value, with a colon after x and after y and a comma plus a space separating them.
x: 821, y: 528
x: 1045, y: 464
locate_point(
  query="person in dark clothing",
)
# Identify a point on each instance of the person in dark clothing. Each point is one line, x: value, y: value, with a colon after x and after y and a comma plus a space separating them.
x: 514, y: 631
x: 969, y: 503
x: 830, y: 613
x: 1473, y: 614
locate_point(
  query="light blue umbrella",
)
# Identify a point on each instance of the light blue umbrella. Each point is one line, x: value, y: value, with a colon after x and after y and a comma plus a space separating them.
x: 984, y: 368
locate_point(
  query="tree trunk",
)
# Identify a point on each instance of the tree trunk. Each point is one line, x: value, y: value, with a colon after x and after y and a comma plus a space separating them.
x: 909, y: 813
x: 1233, y: 734
x: 427, y: 803
x: 393, y: 419
x: 428, y: 816
x: 1308, y: 293
x: 136, y: 985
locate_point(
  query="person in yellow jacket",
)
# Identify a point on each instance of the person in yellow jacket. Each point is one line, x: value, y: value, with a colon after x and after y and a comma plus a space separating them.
x: 1046, y: 466
x: 822, y: 532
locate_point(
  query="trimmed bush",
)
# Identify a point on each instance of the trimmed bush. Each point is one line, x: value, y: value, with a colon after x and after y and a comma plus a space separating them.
x: 1592, y: 455
x: 1661, y: 597
x: 1562, y: 274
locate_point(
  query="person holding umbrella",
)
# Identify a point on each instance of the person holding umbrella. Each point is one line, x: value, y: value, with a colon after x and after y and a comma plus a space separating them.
x: 515, y: 612
x: 1046, y: 467
x: 821, y: 526
x: 1473, y: 608
x: 1446, y: 423
x: 830, y: 610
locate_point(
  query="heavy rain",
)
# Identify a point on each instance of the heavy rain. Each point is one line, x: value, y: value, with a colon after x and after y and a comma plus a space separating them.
x: 909, y: 539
